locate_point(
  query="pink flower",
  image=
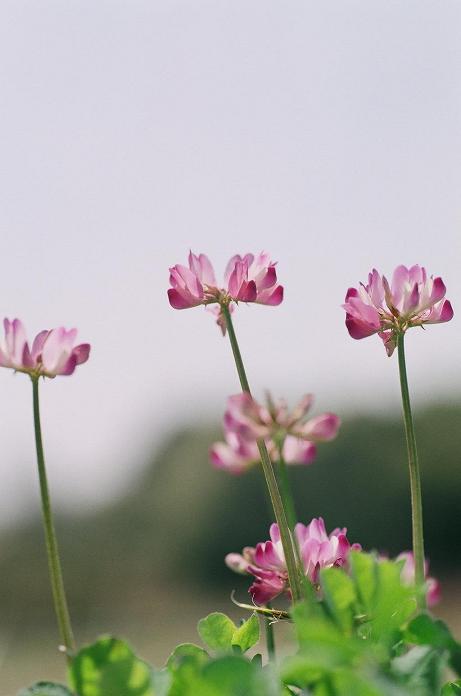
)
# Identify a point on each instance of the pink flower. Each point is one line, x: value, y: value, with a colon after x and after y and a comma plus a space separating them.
x: 52, y: 353
x: 235, y: 455
x: 408, y: 577
x: 267, y: 564
x: 412, y: 299
x: 246, y: 279
x: 246, y: 421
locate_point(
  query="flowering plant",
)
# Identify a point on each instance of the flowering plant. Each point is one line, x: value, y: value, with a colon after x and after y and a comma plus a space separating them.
x: 288, y: 434
x: 359, y: 620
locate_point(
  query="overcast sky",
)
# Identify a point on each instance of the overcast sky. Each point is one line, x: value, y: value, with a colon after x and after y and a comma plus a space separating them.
x: 327, y: 133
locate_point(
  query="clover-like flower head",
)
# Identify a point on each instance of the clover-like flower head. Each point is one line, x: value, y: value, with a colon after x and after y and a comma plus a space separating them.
x: 247, y: 278
x: 53, y: 352
x: 411, y: 299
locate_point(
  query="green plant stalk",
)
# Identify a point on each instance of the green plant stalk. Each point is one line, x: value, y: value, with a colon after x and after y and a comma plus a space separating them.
x: 286, y: 492
x: 415, y: 477
x: 289, y: 503
x: 54, y: 564
x: 271, y: 481
x: 270, y: 641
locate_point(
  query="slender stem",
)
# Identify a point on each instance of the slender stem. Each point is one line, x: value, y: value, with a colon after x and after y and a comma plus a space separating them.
x: 286, y: 492
x: 289, y: 503
x: 415, y: 477
x: 270, y: 638
x: 54, y: 564
x: 271, y: 481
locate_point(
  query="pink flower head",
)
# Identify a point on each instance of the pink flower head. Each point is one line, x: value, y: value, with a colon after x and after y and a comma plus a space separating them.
x: 246, y: 279
x: 52, y: 353
x: 267, y: 564
x: 408, y: 577
x: 412, y: 299
x: 246, y: 421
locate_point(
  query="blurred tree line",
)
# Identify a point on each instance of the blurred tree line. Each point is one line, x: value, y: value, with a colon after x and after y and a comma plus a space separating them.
x: 172, y: 530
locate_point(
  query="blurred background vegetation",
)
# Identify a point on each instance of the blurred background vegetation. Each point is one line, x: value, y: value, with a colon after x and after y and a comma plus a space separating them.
x: 149, y: 565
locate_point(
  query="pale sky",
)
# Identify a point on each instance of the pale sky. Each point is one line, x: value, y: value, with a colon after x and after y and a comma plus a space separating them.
x: 327, y: 133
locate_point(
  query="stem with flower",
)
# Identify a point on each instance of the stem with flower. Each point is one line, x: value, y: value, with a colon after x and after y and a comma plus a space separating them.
x: 57, y: 583
x: 271, y: 481
x: 413, y: 465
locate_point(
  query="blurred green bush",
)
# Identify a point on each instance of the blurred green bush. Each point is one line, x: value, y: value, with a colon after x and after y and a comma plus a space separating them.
x: 182, y: 517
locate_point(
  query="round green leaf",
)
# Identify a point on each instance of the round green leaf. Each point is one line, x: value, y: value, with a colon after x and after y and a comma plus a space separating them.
x: 217, y: 630
x: 110, y: 667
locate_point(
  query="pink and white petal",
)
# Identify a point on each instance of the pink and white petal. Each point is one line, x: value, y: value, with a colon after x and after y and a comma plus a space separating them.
x: 433, y: 592
x: 265, y: 590
x: 274, y: 533
x: 438, y: 291
x: 66, y: 366
x: 247, y: 292
x: 27, y: 360
x: 298, y: 451
x: 375, y: 288
x: 265, y: 279
x: 417, y: 274
x: 82, y: 353
x: 316, y: 529
x: 271, y: 297
x: 440, y: 313
x: 411, y: 300
x: 389, y: 340
x: 322, y: 428
x: 363, y: 312
x: 39, y: 341
x: 237, y: 563
x: 358, y: 329
x: 301, y: 409
x: 54, y: 350
x: 180, y: 300
x: 201, y: 266
x: 400, y: 278
x: 230, y: 268
x: 224, y: 457
x: 236, y: 279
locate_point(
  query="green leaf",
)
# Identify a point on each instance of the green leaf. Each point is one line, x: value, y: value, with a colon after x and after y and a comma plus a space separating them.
x: 247, y: 635
x: 109, y: 667
x: 338, y: 590
x: 297, y: 671
x: 422, y: 668
x: 45, y: 689
x: 217, y: 631
x: 424, y: 630
x: 349, y: 682
x: 391, y: 604
x: 231, y: 675
x: 323, y: 645
x: 185, y: 650
x: 184, y: 666
x: 364, y: 574
x: 236, y: 676
x: 186, y: 678
x: 161, y: 681
x: 452, y: 689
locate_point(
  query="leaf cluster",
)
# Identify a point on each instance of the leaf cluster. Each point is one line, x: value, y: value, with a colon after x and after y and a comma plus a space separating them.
x: 364, y: 637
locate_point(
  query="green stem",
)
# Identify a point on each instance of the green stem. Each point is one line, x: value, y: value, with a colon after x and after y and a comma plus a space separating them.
x: 286, y: 492
x: 415, y: 477
x: 54, y: 564
x: 270, y: 639
x: 289, y: 503
x: 271, y: 481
